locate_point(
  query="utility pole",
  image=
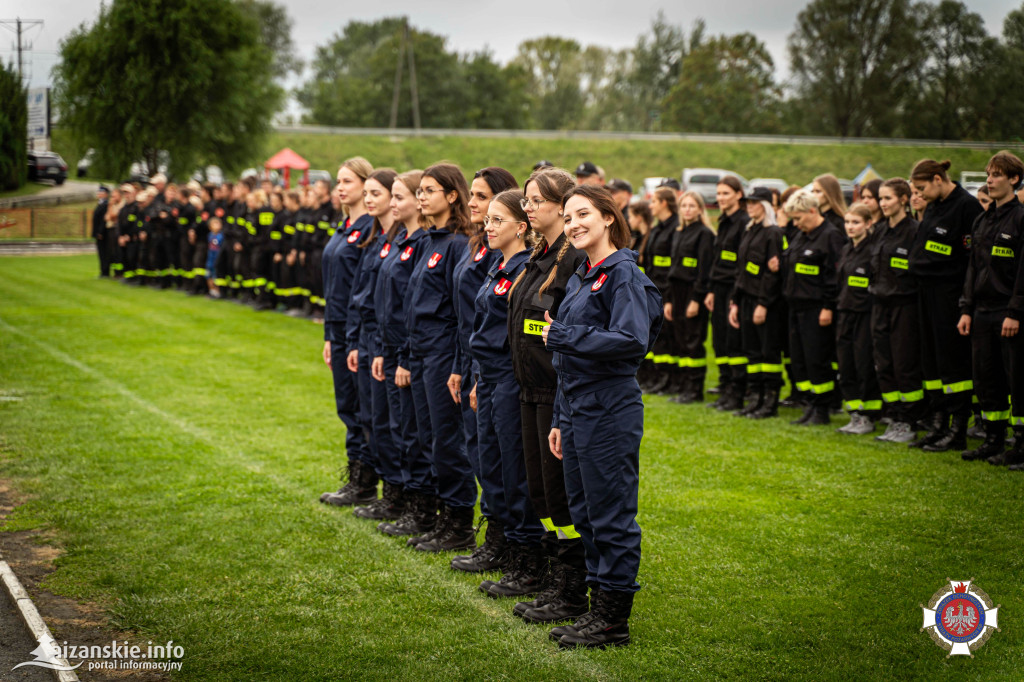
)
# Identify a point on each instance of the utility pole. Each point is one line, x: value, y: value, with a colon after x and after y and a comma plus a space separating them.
x: 19, y: 28
x: 405, y: 45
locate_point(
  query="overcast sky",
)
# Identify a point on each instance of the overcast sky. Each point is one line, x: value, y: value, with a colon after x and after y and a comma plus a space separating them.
x: 472, y: 26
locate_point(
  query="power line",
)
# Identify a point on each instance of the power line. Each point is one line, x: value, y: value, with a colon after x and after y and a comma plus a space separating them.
x: 20, y: 26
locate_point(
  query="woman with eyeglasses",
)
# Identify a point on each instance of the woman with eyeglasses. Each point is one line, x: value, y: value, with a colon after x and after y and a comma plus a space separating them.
x: 433, y: 335
x: 470, y: 274
x: 498, y: 411
x: 340, y: 261
x: 611, y: 315
x: 558, y: 572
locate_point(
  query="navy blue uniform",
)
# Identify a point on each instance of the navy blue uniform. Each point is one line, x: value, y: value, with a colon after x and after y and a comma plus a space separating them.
x: 500, y: 427
x: 608, y: 321
x: 339, y: 262
x: 433, y: 328
x: 470, y: 274
x: 389, y: 301
x: 361, y: 335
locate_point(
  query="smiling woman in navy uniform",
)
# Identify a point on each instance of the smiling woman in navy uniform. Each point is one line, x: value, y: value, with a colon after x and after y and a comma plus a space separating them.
x: 433, y: 328
x: 503, y: 471
x: 339, y: 262
x: 608, y: 322
x: 470, y: 274
x: 419, y: 487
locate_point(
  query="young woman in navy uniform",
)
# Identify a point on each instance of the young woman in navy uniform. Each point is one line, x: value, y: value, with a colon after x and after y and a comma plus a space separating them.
x: 499, y: 420
x: 608, y: 322
x: 560, y: 577
x: 362, y: 338
x: 469, y: 276
x: 433, y: 329
x: 338, y: 264
x: 419, y: 486
x: 689, y: 282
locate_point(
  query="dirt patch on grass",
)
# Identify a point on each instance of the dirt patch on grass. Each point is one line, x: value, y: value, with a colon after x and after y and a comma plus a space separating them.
x: 32, y: 555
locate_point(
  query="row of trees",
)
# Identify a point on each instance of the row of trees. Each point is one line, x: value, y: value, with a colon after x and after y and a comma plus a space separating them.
x: 13, y: 129
x: 859, y: 68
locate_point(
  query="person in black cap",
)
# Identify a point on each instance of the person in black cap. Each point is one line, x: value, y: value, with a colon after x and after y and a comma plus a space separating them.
x: 587, y: 174
x: 622, y: 192
x: 99, y: 229
x: 543, y: 163
x: 670, y: 182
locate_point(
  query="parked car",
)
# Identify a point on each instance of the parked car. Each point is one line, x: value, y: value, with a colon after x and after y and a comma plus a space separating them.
x: 770, y: 183
x: 650, y: 184
x: 845, y: 186
x: 704, y: 181
x: 85, y: 163
x: 972, y: 181
x: 315, y: 175
x: 47, y: 166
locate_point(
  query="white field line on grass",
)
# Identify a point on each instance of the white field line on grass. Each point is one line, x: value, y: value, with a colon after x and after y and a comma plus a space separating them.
x: 485, y: 605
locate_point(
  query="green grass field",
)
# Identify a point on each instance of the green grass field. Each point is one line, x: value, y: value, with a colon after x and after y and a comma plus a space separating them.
x: 633, y: 160
x: 175, y: 447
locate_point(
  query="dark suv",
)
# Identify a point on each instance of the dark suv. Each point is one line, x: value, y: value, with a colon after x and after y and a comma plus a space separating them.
x: 47, y: 166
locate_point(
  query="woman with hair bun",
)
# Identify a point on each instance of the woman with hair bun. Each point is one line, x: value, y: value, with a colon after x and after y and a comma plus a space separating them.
x: 611, y: 315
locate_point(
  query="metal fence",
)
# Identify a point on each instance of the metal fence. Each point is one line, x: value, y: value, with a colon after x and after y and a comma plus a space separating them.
x: 45, y: 223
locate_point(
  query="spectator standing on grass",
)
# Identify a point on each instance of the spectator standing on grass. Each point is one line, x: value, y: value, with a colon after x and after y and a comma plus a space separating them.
x: 610, y: 317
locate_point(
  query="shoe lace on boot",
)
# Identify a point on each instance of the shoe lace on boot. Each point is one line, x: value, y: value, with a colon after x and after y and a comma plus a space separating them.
x: 554, y: 583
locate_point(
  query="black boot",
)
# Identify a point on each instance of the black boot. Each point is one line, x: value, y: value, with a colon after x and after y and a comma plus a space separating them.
x: 490, y: 556
x: 731, y: 399
x: 526, y: 576
x: 549, y: 587
x: 1013, y: 457
x: 795, y: 399
x: 754, y: 399
x: 568, y: 600
x: 677, y: 382
x: 724, y: 389
x: 609, y: 627
x: 353, y: 470
x: 439, y: 528
x: 419, y: 517
x: 955, y: 437
x: 805, y: 417
x: 819, y: 416
x: 459, y: 534
x: 660, y: 381
x: 389, y: 507
x: 364, y: 491
x: 769, y: 405
x: 937, y: 426
x: 994, y: 443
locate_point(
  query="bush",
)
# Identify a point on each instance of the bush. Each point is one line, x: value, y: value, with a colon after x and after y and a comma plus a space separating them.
x: 13, y: 130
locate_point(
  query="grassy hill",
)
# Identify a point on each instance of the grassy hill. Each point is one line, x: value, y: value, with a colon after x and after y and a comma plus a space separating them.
x: 632, y: 160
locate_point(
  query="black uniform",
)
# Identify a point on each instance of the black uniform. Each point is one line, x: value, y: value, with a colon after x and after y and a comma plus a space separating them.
x: 690, y: 281
x: 811, y: 286
x: 725, y: 340
x: 854, y: 348
x: 895, y: 330
x: 531, y: 362
x: 939, y: 262
x: 994, y: 291
x: 321, y: 228
x: 126, y: 224
x: 657, y: 263
x: 756, y: 285
x: 103, y: 236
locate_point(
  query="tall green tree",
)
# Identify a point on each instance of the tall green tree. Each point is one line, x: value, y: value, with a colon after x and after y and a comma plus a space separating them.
x: 354, y: 75
x: 1007, y: 79
x: 554, y: 68
x: 276, y: 35
x: 189, y: 77
x: 949, y: 98
x: 726, y: 85
x: 13, y: 129
x: 852, y: 62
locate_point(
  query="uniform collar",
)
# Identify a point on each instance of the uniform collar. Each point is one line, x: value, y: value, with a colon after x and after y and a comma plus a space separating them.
x: 1000, y: 211
x: 511, y: 265
x: 613, y: 259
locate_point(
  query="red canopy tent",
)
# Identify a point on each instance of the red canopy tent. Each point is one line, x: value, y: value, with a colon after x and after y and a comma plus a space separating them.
x: 285, y: 160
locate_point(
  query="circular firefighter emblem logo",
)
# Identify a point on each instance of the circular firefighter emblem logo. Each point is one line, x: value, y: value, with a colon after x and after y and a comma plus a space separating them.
x: 960, y: 617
